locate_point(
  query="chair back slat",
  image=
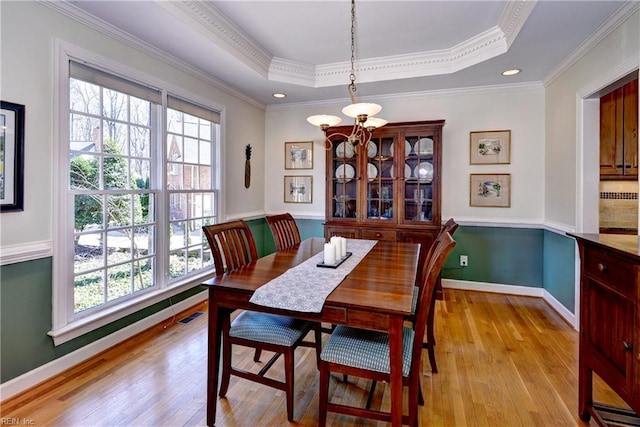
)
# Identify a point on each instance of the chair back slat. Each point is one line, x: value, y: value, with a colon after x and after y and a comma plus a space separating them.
x: 449, y: 227
x: 432, y: 269
x: 284, y: 229
x: 232, y: 245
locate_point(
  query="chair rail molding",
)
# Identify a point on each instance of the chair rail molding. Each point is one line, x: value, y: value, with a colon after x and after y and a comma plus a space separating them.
x: 25, y: 252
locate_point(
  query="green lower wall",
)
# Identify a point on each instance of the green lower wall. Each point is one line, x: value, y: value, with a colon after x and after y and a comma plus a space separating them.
x: 559, y: 268
x: 25, y: 318
x: 510, y: 256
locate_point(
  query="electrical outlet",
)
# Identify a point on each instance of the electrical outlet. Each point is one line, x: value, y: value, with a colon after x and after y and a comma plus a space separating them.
x: 464, y: 261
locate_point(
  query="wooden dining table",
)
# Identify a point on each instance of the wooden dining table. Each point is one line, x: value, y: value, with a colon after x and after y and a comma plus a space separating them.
x: 376, y: 294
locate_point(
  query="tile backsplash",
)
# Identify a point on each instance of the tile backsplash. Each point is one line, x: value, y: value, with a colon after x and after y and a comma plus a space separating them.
x: 619, y: 204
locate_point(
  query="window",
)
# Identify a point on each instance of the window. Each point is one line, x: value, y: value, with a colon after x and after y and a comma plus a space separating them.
x: 137, y: 184
x: 191, y: 201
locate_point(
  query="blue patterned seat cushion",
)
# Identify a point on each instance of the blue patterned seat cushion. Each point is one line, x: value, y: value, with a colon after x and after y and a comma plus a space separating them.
x: 268, y: 328
x: 365, y: 349
x: 414, y: 303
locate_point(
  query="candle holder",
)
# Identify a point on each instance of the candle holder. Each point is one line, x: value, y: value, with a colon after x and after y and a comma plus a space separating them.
x: 337, y: 264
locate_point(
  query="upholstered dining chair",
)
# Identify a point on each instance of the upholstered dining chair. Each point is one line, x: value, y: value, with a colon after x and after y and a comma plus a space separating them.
x: 232, y: 246
x: 284, y: 229
x: 365, y: 353
x: 449, y: 227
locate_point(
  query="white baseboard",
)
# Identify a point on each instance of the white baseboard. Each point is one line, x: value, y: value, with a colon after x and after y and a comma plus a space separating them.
x: 42, y: 373
x: 492, y: 287
x: 568, y: 316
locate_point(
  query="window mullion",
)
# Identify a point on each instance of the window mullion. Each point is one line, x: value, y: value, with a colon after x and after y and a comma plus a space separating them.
x: 162, y: 201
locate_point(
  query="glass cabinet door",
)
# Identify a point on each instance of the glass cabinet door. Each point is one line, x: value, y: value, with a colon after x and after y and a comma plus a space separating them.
x: 418, y: 188
x: 344, y: 180
x: 379, y: 191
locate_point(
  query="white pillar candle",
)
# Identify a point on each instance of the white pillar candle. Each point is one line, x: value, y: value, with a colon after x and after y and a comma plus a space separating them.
x: 335, y: 241
x: 336, y: 246
x: 343, y: 248
x: 329, y: 253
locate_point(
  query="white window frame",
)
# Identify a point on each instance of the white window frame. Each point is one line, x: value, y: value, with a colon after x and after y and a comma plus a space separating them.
x: 65, y: 324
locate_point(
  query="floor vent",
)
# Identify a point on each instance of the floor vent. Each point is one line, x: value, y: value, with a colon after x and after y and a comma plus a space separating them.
x: 191, y: 317
x: 614, y: 417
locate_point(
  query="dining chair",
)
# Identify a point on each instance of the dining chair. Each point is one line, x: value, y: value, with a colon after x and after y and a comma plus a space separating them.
x: 449, y: 227
x: 284, y: 229
x: 232, y: 246
x: 365, y: 353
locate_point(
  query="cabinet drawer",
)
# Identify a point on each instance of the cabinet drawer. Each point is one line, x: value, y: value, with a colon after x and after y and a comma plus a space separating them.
x: 349, y: 233
x: 611, y: 271
x: 388, y: 235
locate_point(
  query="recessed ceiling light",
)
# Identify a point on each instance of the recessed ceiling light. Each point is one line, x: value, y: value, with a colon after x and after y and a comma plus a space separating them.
x: 511, y: 72
x: 279, y: 95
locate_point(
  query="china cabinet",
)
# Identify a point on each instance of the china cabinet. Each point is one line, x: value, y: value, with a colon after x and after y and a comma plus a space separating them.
x: 609, y: 324
x: 619, y: 133
x: 388, y: 189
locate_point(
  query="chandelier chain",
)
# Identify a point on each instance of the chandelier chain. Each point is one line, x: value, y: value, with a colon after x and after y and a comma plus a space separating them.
x: 352, y: 76
x: 362, y: 113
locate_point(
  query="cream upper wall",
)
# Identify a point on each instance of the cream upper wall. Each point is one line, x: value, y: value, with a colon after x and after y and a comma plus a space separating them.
x: 607, y: 61
x: 28, y: 33
x: 520, y: 109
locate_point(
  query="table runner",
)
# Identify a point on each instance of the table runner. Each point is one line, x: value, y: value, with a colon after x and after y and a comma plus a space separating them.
x: 306, y: 286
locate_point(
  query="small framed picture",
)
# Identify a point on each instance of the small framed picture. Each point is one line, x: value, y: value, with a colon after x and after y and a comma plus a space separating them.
x: 298, y: 155
x: 11, y: 157
x: 490, y: 147
x: 298, y: 189
x: 490, y: 190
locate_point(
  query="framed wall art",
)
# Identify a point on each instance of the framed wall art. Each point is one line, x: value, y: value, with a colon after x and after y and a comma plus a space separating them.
x: 11, y: 157
x: 490, y: 190
x: 490, y: 147
x: 298, y: 189
x: 298, y: 155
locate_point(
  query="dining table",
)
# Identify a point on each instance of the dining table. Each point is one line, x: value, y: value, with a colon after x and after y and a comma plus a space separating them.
x: 376, y: 294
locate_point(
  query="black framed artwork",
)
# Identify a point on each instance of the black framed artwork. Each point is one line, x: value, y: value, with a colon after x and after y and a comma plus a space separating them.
x: 11, y: 157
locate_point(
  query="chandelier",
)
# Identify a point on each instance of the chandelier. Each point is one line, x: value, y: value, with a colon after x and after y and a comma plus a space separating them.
x: 362, y: 112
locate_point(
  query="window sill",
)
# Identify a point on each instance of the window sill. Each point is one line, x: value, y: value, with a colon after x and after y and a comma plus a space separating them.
x: 108, y: 315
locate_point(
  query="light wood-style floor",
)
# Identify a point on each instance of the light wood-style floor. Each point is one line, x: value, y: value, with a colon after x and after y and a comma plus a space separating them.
x: 503, y: 361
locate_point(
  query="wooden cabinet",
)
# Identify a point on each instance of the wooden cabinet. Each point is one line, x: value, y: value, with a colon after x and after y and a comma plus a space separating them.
x: 619, y: 133
x: 609, y: 320
x: 388, y: 190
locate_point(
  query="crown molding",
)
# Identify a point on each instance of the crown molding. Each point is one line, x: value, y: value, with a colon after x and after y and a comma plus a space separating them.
x: 297, y: 73
x: 482, y: 47
x: 624, y: 13
x: 470, y: 52
x: 513, y: 17
x: 75, y: 13
x: 215, y: 26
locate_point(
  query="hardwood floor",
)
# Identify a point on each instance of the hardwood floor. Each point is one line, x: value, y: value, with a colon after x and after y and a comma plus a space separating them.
x: 503, y: 361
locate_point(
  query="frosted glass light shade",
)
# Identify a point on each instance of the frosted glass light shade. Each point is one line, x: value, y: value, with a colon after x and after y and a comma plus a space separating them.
x: 361, y: 108
x: 323, y: 119
x: 374, y: 122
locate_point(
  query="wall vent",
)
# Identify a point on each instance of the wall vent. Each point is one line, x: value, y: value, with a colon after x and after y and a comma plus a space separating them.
x: 191, y: 317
